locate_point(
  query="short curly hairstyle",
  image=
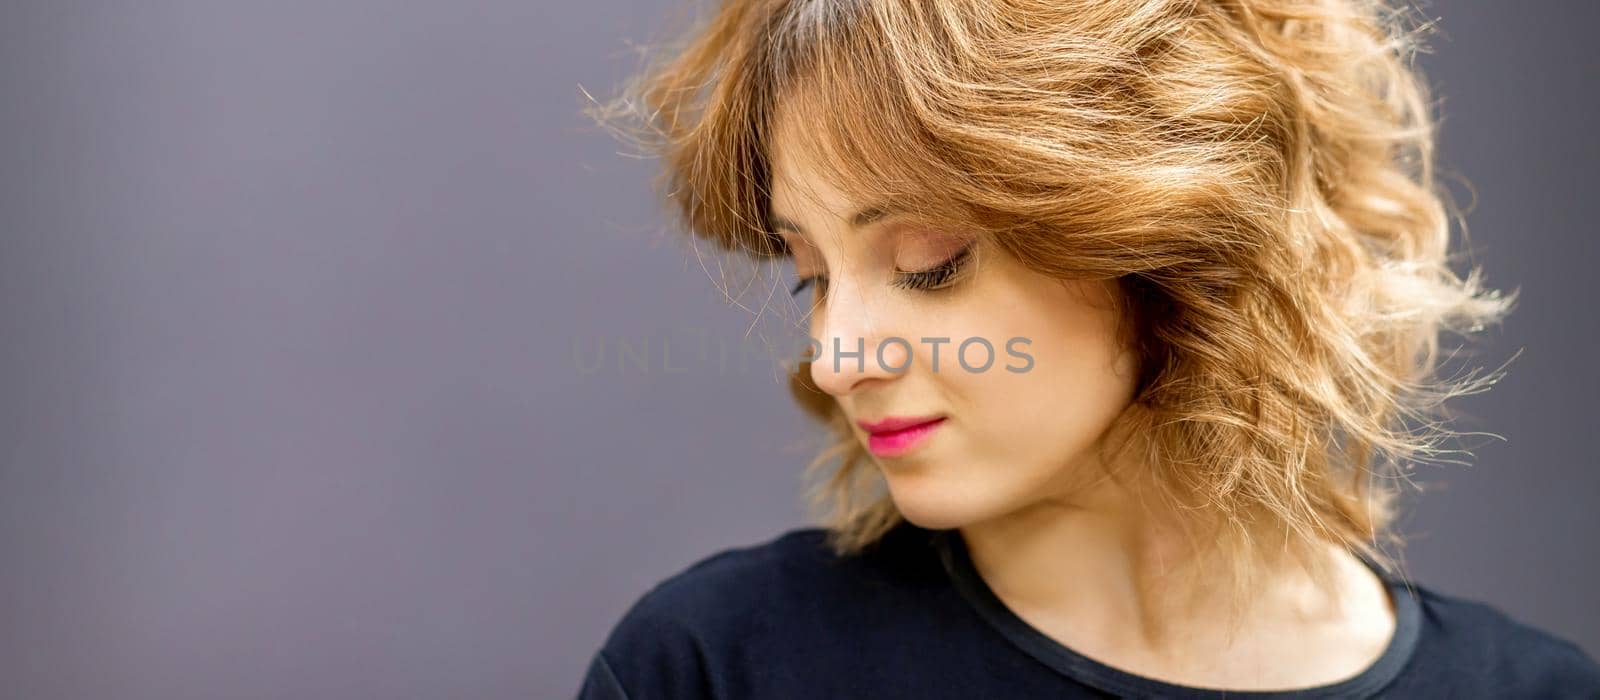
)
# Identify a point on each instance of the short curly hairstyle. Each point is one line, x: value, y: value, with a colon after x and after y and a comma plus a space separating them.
x: 1257, y: 175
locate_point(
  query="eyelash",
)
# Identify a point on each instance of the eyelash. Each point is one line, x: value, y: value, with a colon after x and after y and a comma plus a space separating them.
x: 932, y: 279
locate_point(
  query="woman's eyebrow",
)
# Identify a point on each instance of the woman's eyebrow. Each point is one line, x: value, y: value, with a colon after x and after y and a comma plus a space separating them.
x: 859, y: 220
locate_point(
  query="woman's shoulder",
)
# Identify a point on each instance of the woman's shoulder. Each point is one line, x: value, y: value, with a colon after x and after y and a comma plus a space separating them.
x: 776, y: 598
x: 1480, y: 645
x: 796, y: 567
x: 724, y: 579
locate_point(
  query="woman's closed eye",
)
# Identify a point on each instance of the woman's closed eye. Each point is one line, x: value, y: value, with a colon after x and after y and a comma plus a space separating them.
x: 937, y: 277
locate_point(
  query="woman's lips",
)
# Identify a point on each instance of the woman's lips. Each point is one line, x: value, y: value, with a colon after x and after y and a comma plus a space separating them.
x: 897, y: 436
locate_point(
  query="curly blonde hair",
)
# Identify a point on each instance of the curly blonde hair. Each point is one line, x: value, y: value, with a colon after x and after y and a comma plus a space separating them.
x: 1257, y: 175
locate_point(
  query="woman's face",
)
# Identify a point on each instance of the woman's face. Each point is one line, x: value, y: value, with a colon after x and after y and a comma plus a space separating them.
x: 1006, y: 439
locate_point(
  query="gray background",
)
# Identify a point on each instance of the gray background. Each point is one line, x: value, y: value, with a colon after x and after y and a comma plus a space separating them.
x: 290, y: 405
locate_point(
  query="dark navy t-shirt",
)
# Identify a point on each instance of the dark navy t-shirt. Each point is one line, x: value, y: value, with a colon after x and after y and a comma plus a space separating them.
x: 911, y: 618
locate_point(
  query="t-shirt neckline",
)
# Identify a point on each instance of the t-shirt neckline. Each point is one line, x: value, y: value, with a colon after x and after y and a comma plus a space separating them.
x: 972, y: 587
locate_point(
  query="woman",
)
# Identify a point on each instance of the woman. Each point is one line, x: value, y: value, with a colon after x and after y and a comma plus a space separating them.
x: 1184, y: 265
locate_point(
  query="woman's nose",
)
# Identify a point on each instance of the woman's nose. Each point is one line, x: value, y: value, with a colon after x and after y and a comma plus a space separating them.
x: 854, y: 344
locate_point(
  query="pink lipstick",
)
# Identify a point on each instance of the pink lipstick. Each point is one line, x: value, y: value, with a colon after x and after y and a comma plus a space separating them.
x: 896, y: 436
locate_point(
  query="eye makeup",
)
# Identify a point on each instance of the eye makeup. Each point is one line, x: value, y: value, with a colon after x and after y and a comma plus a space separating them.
x: 937, y: 277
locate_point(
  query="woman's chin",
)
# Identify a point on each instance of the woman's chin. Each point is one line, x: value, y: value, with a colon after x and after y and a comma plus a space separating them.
x: 931, y: 504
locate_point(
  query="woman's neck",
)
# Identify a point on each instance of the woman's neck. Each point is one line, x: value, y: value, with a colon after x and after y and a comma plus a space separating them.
x: 1116, y: 579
